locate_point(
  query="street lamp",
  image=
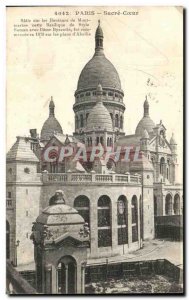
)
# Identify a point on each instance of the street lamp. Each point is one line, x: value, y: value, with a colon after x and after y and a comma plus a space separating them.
x: 121, y: 210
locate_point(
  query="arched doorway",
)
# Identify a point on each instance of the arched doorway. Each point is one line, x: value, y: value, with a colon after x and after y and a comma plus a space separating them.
x: 168, y: 204
x: 66, y: 273
x: 176, y: 205
x: 7, y: 240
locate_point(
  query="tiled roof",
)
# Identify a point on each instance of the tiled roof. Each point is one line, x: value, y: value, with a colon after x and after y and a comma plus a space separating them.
x: 130, y: 140
x: 21, y: 151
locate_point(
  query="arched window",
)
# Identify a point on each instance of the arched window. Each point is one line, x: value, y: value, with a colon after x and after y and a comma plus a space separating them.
x: 155, y: 205
x: 97, y: 140
x: 7, y: 240
x: 176, y: 205
x: 116, y: 120
x: 10, y: 171
x: 53, y: 167
x: 110, y: 164
x: 134, y: 211
x: 76, y: 122
x: 87, y: 116
x: 121, y: 122
x: 122, y: 220
x: 108, y: 141
x: 168, y: 205
x: 90, y: 141
x: 104, y: 222
x: 62, y: 167
x: 162, y: 133
x: 162, y: 162
x: 81, y: 121
x: 101, y: 140
x: 168, y: 166
x: 81, y: 203
x: 111, y: 115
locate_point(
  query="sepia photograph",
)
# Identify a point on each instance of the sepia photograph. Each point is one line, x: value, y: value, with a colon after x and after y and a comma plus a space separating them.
x: 94, y: 150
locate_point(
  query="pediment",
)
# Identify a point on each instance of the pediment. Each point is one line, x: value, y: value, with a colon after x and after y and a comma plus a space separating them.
x: 162, y: 144
x: 68, y: 239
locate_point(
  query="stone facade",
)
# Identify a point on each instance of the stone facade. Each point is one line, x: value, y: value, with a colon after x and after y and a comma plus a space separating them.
x: 144, y: 189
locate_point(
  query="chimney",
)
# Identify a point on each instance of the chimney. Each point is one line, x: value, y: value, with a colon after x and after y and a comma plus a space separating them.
x: 33, y: 133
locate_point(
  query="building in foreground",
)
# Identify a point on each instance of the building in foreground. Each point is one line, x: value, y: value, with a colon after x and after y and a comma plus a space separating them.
x: 118, y: 199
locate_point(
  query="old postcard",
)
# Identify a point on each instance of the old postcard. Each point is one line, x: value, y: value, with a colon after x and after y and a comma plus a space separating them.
x: 94, y: 200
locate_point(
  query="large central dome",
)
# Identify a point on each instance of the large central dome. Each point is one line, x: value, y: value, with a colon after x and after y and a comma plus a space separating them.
x: 99, y: 69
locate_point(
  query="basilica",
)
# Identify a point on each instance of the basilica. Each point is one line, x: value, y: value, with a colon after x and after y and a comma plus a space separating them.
x: 118, y: 200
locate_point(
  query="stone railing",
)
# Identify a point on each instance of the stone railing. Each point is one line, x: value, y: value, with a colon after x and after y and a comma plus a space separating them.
x: 91, y: 178
x: 16, y: 284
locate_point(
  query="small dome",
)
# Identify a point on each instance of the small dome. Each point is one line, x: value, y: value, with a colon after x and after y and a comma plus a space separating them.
x: 146, y: 122
x: 172, y: 140
x: 99, y: 117
x: 51, y: 126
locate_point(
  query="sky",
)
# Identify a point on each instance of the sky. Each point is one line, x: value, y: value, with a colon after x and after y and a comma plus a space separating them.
x: 146, y: 49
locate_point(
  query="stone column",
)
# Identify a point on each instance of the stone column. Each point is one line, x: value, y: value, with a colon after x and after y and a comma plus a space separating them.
x: 129, y: 224
x: 94, y: 225
x: 113, y: 138
x: 164, y: 171
x: 93, y: 139
x: 54, y: 280
x: 83, y: 278
x: 114, y: 226
x: 119, y: 120
x: 105, y: 138
x: 157, y: 171
x: 163, y: 205
x: 113, y: 120
x: 78, y: 279
x: 48, y: 279
x: 138, y: 212
x: 66, y: 269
